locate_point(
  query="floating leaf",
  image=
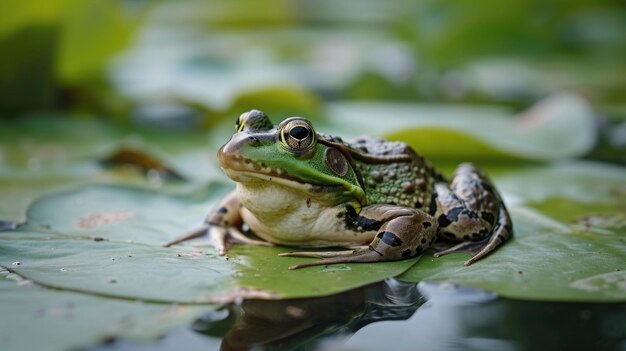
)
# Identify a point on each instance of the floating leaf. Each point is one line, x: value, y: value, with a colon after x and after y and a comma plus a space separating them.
x: 106, y: 240
x: 552, y: 256
x: 36, y: 318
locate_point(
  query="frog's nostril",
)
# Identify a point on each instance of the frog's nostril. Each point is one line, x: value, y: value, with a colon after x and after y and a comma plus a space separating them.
x: 254, y: 141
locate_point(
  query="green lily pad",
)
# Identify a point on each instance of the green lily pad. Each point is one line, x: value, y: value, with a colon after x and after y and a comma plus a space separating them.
x: 36, y: 318
x: 573, y: 250
x: 105, y: 240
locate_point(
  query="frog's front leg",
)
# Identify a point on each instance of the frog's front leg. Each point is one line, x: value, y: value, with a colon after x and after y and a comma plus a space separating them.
x: 470, y: 210
x: 401, y: 233
x: 222, y: 226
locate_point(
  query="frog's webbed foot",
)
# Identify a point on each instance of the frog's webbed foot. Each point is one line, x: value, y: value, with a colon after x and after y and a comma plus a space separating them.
x: 367, y: 254
x: 221, y: 237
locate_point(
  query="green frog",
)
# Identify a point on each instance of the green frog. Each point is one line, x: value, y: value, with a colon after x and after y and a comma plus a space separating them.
x: 376, y: 199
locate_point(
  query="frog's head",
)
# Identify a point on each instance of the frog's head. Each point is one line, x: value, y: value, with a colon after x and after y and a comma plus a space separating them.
x: 292, y: 155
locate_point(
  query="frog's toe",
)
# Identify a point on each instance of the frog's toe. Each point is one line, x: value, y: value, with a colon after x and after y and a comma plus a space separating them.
x: 192, y: 234
x: 334, y: 257
x: 465, y: 246
x: 237, y: 237
x: 218, y: 236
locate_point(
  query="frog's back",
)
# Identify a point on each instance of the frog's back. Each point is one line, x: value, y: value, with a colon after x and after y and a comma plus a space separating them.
x: 408, y: 182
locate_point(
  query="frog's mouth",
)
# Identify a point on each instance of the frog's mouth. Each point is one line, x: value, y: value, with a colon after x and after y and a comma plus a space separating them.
x: 243, y: 170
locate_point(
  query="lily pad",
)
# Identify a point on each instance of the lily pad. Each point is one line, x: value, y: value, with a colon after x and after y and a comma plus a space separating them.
x: 553, y: 256
x: 67, y: 320
x: 106, y: 240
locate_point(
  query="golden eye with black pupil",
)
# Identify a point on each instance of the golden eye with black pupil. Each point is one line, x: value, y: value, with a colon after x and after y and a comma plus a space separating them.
x: 298, y: 135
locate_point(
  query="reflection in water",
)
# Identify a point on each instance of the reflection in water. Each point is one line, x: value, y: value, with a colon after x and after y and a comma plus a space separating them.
x: 401, y: 316
x: 291, y: 324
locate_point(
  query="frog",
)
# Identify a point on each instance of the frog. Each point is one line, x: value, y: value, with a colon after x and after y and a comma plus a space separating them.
x: 361, y: 200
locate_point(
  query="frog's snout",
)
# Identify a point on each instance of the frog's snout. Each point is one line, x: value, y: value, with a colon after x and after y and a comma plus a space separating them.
x: 232, y: 151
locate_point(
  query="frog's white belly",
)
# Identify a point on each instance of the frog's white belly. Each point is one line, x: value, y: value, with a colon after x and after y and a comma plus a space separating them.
x: 286, y: 216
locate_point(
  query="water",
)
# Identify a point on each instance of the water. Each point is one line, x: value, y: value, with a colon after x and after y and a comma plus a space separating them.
x: 392, y: 315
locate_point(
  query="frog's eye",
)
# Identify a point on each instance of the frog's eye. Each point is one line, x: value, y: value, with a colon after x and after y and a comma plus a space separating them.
x: 298, y: 135
x: 253, y: 121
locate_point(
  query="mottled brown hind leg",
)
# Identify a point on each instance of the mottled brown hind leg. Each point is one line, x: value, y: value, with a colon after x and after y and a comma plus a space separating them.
x: 470, y: 210
x: 405, y: 233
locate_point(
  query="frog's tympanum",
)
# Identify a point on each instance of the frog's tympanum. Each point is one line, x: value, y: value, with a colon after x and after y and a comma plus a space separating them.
x: 376, y: 198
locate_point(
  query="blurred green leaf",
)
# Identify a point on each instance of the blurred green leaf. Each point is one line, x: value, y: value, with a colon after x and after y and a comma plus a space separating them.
x: 560, y: 126
x: 90, y: 35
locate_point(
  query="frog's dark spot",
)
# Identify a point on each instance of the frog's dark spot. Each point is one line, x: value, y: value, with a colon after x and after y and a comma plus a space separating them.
x: 501, y: 237
x: 389, y: 238
x: 418, y: 250
x: 424, y: 240
x: 443, y: 221
x: 226, y: 222
x: 488, y: 216
x: 466, y: 237
x: 432, y: 207
x: 406, y: 253
x: 418, y: 204
x: 222, y: 210
x: 408, y: 187
x: 359, y: 223
x: 426, y: 225
x: 508, y: 228
x: 487, y: 187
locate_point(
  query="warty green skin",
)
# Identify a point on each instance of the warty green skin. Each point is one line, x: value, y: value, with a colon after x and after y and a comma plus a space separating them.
x: 379, y: 198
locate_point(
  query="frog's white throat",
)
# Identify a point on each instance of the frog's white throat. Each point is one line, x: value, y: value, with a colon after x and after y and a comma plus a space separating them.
x: 288, y: 216
x: 269, y: 200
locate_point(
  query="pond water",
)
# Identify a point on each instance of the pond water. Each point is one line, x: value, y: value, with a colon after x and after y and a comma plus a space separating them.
x: 400, y: 316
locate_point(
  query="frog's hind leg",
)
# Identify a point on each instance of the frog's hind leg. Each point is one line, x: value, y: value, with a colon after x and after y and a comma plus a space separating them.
x: 402, y: 233
x: 471, y: 211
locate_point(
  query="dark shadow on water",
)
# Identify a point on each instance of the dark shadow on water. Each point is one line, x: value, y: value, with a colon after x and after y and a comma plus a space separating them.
x: 393, y: 315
